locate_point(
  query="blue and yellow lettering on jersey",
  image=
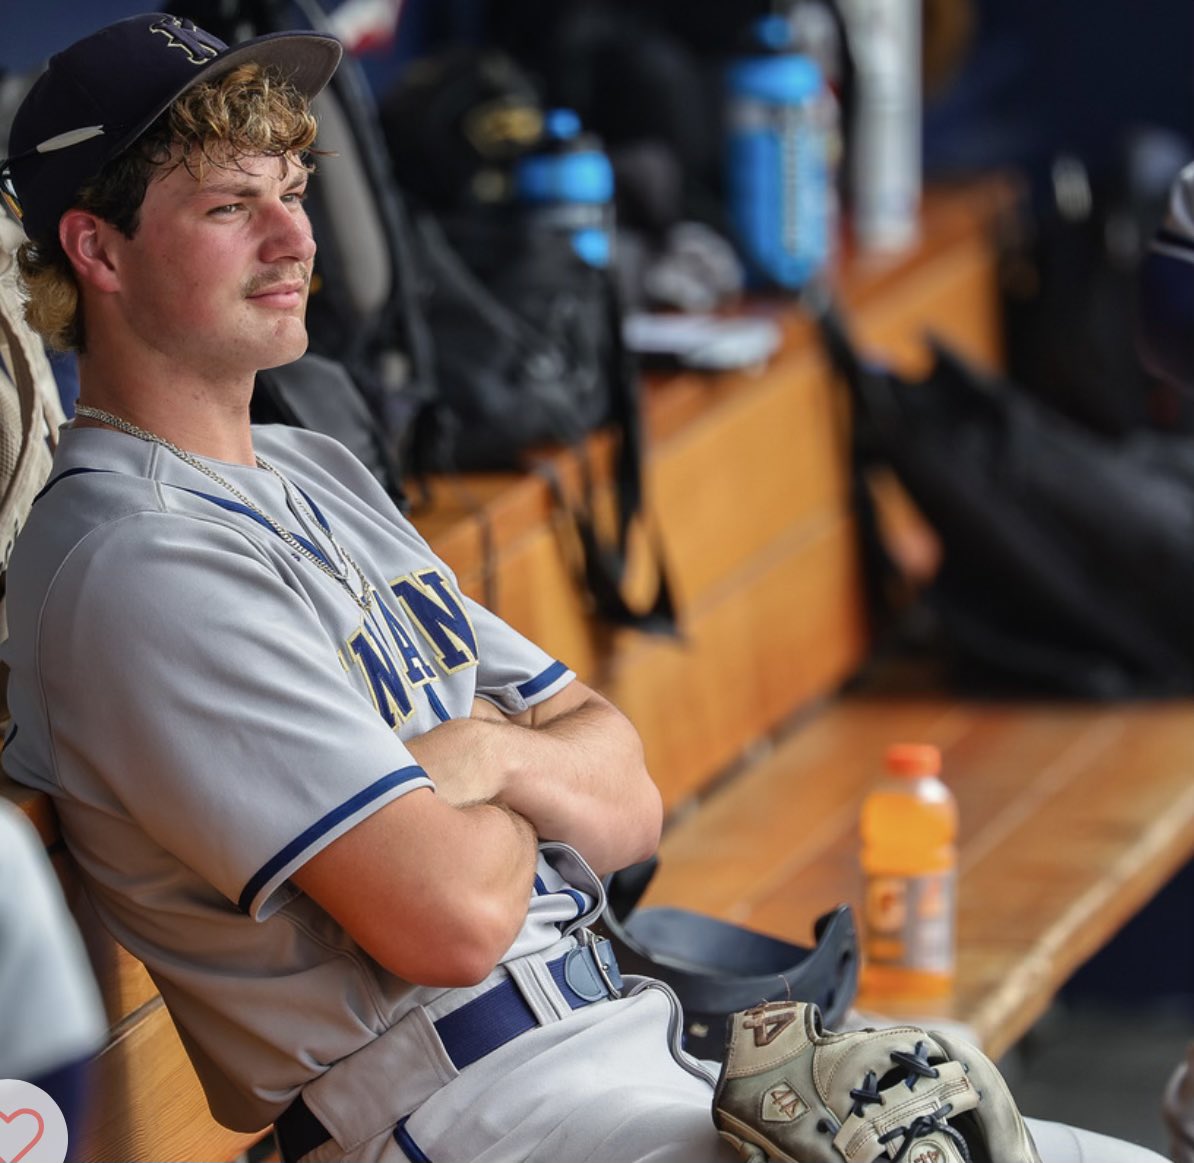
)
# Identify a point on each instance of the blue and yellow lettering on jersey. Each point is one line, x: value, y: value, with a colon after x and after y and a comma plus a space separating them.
x: 388, y: 657
x: 440, y: 616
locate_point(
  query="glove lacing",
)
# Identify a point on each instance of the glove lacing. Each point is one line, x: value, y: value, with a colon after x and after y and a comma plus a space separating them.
x: 916, y: 1066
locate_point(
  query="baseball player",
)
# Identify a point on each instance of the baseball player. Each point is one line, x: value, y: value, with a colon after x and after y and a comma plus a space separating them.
x: 352, y: 823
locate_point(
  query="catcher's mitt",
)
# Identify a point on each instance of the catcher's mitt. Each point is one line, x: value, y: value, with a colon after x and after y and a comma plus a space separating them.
x: 791, y: 1091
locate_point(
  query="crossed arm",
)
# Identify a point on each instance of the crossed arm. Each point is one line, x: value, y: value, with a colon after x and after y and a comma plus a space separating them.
x: 435, y: 886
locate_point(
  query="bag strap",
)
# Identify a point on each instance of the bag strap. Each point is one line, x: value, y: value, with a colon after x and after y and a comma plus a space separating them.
x: 604, y: 561
x: 320, y: 394
x: 602, y: 566
x: 867, y: 419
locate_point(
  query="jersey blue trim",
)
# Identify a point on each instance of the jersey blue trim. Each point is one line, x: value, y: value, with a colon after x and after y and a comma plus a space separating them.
x: 541, y: 888
x: 231, y: 506
x: 542, y: 681
x: 323, y: 524
x: 305, y: 839
x: 441, y: 712
x: 70, y: 472
x: 582, y: 905
x: 11, y: 735
x: 409, y: 1147
x: 237, y: 507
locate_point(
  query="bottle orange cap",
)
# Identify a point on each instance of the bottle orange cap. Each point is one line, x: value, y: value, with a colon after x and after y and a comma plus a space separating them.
x: 913, y: 759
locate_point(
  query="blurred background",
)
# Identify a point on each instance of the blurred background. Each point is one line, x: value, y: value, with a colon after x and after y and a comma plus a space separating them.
x: 1088, y: 104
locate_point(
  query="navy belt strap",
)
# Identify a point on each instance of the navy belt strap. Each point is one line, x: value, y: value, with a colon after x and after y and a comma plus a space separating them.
x: 584, y: 975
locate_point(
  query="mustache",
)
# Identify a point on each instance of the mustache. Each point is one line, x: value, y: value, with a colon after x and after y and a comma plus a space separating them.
x: 267, y: 281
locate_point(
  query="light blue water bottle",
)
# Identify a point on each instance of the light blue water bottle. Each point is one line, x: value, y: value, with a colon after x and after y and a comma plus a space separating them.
x: 778, y: 188
x: 569, y: 186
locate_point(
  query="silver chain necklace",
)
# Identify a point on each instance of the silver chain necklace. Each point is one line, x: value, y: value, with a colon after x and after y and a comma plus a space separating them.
x: 364, y: 599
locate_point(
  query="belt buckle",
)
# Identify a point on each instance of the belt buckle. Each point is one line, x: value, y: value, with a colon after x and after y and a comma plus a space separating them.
x: 590, y: 969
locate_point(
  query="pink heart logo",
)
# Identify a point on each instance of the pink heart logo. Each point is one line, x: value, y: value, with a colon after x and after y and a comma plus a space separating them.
x: 31, y: 1143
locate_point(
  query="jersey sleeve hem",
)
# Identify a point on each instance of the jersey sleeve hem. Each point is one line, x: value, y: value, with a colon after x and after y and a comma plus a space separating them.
x: 255, y: 898
x: 545, y: 681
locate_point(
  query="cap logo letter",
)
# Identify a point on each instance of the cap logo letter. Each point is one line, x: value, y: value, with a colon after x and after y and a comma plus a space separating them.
x: 199, y: 46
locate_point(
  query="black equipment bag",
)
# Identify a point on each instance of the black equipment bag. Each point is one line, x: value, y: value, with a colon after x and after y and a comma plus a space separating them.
x: 1069, y: 260
x: 526, y: 341
x: 1068, y: 557
x: 717, y: 968
x: 526, y: 337
x: 529, y: 354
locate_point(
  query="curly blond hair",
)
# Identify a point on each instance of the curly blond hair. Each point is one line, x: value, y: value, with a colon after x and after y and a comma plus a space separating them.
x: 250, y: 111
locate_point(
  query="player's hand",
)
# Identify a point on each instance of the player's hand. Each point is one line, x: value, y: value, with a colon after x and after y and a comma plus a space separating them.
x: 469, y: 759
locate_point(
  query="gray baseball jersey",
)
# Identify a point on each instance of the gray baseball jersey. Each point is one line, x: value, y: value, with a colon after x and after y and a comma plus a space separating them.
x: 210, y: 710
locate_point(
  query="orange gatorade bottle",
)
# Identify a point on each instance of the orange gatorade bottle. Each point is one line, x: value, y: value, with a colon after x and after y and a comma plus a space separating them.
x: 909, y: 859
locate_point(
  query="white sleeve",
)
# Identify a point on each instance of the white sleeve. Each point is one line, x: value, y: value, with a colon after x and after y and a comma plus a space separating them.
x: 50, y: 1012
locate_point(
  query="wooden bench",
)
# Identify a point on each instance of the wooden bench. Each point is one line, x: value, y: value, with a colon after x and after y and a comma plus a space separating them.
x: 1072, y: 816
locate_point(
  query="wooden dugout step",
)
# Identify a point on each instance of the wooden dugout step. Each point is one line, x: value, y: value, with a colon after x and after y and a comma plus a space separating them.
x: 1072, y: 817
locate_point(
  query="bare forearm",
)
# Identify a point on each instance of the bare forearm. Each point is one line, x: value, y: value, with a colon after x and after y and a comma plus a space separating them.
x: 580, y: 777
x: 433, y: 892
x: 496, y: 864
x: 572, y: 765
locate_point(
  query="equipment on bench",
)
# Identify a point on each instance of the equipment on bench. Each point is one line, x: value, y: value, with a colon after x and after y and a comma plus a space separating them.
x: 717, y: 968
x: 1165, y: 298
x: 1067, y: 564
x: 790, y: 1089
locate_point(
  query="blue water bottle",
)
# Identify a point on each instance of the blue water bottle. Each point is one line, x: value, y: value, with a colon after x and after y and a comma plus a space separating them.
x: 568, y: 186
x: 778, y: 182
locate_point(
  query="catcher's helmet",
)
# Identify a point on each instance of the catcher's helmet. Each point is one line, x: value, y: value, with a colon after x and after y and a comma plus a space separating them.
x: 1165, y: 301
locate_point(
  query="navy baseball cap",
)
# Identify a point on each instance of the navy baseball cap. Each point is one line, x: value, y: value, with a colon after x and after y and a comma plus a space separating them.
x: 98, y: 96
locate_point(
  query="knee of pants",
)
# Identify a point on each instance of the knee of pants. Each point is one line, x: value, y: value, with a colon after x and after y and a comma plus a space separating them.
x: 1058, y: 1143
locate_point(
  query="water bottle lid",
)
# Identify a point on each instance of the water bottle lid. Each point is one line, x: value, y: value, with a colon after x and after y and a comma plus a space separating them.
x: 561, y: 124
x: 772, y: 32
x: 913, y: 759
x: 583, y: 176
x: 786, y: 78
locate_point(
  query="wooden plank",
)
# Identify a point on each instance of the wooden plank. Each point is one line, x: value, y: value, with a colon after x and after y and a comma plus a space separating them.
x: 770, y: 459
x: 954, y: 296
x: 147, y: 1103
x: 1073, y: 816
x: 775, y: 820
x: 749, y: 656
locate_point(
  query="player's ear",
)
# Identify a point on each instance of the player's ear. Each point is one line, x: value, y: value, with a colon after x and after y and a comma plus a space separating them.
x: 87, y: 241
